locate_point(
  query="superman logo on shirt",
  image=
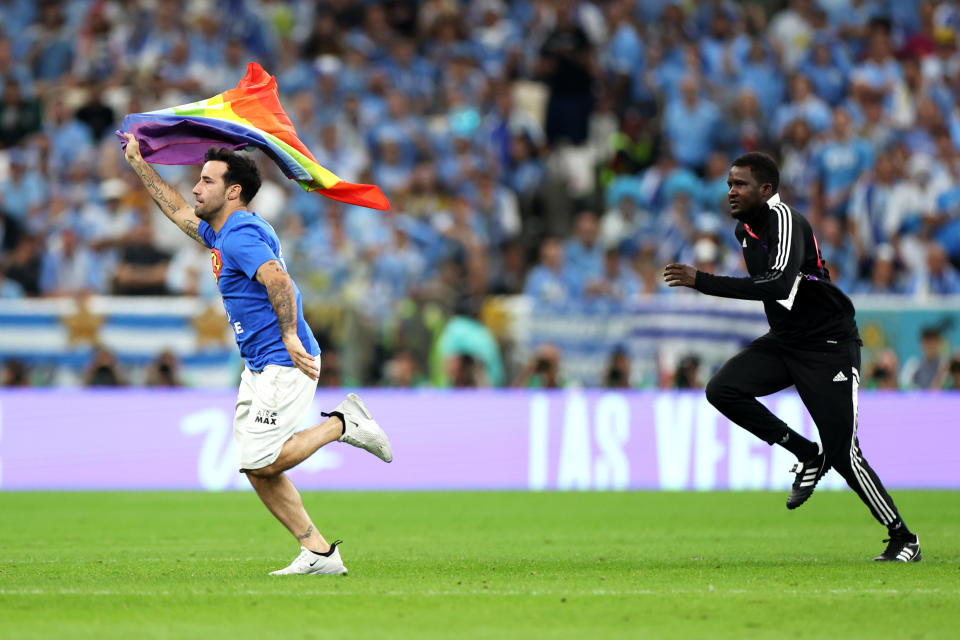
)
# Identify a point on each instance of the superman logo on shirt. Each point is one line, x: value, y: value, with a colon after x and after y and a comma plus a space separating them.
x: 217, y: 261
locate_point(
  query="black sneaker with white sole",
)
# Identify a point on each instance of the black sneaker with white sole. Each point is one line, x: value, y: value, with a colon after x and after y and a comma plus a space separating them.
x: 901, y: 549
x: 808, y: 475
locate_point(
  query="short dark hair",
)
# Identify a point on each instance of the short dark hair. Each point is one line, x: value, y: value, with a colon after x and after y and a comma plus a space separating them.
x: 241, y: 170
x: 763, y: 168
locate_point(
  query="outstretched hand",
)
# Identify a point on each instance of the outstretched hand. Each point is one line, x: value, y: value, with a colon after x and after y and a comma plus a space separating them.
x: 301, y: 357
x: 132, y: 151
x: 680, y: 275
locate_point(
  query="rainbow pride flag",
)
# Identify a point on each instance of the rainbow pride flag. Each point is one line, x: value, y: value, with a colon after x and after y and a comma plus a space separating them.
x: 249, y: 115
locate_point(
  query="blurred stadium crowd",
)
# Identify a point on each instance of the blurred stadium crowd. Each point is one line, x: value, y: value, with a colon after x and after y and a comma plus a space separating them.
x: 562, y: 149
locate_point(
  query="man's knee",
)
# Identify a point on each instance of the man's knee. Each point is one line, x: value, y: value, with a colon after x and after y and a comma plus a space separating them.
x: 269, y: 471
x: 719, y: 393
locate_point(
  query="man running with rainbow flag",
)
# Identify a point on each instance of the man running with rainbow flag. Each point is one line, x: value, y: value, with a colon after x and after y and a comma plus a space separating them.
x: 263, y: 304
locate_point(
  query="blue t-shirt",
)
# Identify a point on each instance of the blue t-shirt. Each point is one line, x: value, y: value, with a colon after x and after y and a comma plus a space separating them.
x: 244, y: 243
x: 839, y: 164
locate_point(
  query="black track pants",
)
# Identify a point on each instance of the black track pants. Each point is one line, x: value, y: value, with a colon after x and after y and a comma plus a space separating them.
x: 827, y: 381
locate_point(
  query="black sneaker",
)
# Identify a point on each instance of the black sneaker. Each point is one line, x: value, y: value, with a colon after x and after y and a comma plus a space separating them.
x: 901, y: 549
x: 808, y: 475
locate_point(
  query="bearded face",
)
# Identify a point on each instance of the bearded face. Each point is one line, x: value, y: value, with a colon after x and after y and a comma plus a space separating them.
x: 211, y: 190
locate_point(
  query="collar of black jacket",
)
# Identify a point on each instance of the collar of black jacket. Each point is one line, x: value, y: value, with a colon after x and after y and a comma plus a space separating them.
x: 758, y: 218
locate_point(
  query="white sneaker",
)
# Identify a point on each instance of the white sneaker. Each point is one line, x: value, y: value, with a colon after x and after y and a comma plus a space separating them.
x: 309, y: 562
x: 360, y: 429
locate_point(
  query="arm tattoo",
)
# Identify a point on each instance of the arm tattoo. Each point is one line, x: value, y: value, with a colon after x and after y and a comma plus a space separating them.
x: 306, y: 534
x: 159, y: 190
x: 283, y: 298
x: 169, y: 201
x: 190, y: 228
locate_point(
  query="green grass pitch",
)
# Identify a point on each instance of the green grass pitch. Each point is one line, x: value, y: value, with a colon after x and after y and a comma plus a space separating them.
x: 475, y: 565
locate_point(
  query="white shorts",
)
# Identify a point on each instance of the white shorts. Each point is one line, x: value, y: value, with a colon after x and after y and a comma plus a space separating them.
x: 271, y: 404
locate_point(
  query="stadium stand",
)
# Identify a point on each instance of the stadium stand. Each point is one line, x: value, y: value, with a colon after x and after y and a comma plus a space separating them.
x: 543, y: 159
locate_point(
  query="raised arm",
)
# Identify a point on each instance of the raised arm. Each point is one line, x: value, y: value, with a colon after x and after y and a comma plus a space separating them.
x: 173, y: 205
x: 283, y: 297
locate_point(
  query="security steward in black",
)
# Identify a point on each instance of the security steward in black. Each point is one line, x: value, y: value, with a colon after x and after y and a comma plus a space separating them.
x: 813, y: 344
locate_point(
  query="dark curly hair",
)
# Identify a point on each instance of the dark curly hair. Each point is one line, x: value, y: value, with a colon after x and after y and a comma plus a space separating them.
x: 763, y: 168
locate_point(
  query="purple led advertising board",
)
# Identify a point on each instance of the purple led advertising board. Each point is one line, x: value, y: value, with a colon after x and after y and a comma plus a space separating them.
x: 566, y: 440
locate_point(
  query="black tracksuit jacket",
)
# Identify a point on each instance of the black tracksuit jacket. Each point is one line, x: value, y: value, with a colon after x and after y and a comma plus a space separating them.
x: 787, y: 273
